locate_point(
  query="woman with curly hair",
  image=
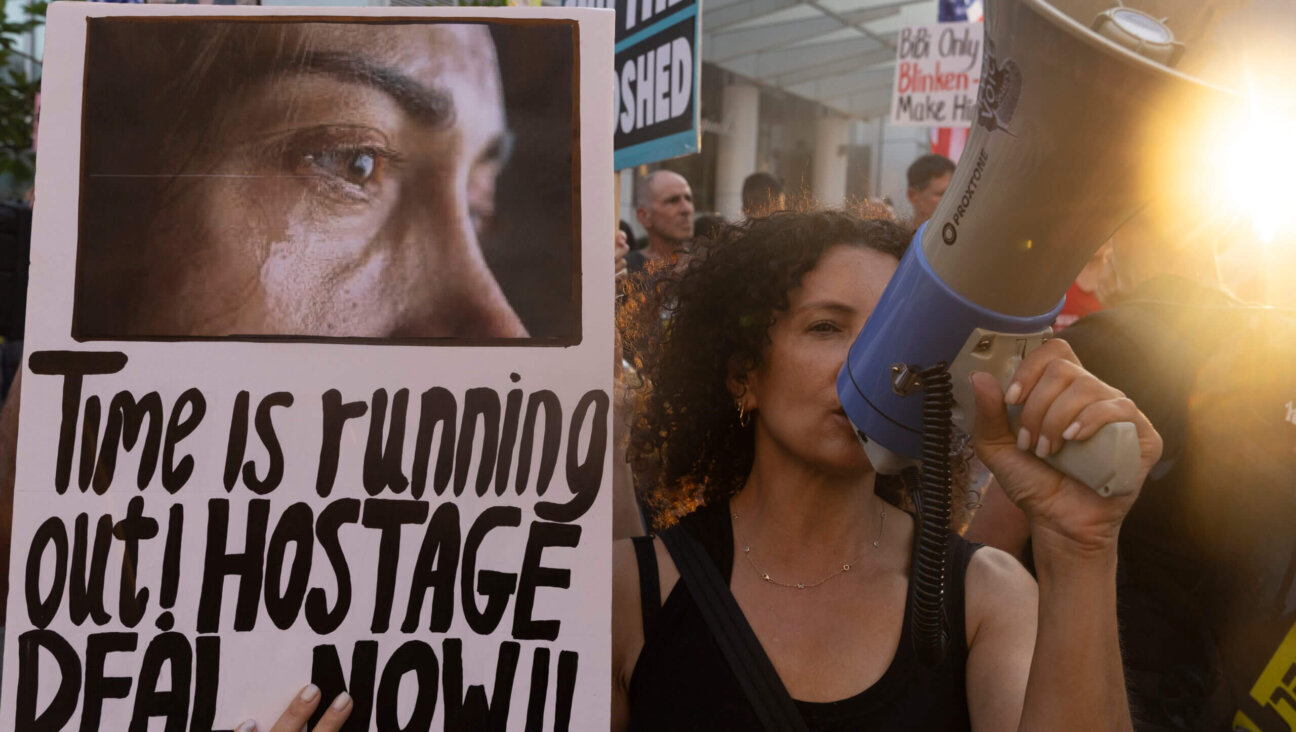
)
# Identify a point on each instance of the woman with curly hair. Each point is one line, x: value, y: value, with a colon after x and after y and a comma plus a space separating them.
x: 740, y: 436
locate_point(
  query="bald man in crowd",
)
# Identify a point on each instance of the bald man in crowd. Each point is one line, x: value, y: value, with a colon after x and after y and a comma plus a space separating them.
x: 664, y: 206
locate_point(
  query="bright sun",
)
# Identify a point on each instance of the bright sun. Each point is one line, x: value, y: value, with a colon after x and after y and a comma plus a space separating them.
x: 1258, y: 167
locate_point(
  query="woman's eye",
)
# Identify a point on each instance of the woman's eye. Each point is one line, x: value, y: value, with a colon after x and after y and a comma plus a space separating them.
x: 824, y: 326
x: 357, y: 167
x: 343, y: 160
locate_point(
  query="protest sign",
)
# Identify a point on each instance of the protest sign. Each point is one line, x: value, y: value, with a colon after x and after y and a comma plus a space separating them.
x: 658, y: 74
x: 317, y: 386
x: 938, y: 73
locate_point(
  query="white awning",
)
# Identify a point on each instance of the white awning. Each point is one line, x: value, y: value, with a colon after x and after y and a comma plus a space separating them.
x: 839, y: 53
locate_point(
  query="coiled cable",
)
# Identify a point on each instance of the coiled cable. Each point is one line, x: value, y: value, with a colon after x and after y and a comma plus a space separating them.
x: 930, y: 630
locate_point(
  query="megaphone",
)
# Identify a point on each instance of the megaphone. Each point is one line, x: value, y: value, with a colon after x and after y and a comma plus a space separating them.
x: 1070, y: 114
x: 1075, y: 101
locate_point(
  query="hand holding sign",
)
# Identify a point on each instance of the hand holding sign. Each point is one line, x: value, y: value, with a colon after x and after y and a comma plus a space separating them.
x: 303, y: 707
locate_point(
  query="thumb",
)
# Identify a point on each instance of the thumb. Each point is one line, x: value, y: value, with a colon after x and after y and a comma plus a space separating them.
x: 991, y: 415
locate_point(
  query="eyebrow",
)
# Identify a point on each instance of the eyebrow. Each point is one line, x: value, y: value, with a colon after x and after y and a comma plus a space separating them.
x: 430, y: 106
x: 833, y: 305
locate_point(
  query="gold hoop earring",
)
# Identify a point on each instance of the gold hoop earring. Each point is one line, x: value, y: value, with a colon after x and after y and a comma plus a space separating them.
x: 744, y: 417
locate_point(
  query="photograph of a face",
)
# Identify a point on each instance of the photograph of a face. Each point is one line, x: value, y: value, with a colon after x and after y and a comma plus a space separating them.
x: 373, y: 181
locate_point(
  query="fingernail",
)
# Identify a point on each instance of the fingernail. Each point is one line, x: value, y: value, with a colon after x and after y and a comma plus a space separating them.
x: 1023, y: 439
x: 1071, y: 431
x: 309, y: 693
x: 1042, y: 448
x: 341, y: 701
x: 1013, y: 394
x: 248, y: 726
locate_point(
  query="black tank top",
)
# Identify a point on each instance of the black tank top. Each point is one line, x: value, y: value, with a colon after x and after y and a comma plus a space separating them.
x: 681, y: 680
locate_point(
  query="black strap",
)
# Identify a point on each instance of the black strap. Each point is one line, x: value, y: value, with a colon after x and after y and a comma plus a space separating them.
x: 765, y: 692
x: 649, y: 584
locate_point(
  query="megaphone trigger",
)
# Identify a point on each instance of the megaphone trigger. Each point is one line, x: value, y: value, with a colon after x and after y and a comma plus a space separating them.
x: 1108, y: 462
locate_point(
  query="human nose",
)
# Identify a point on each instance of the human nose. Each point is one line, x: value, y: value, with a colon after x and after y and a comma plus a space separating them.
x: 482, y: 310
x: 453, y: 291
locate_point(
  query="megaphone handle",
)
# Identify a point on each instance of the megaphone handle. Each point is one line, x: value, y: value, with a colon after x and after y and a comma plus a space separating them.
x: 1108, y: 462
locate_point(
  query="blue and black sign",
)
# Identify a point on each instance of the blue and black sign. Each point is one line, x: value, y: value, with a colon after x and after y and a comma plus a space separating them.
x: 657, y: 77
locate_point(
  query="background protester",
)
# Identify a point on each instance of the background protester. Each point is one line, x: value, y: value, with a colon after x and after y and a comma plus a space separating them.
x: 664, y: 207
x: 708, y: 226
x: 1092, y: 287
x: 762, y: 194
x: 625, y: 228
x: 928, y: 178
x: 741, y: 436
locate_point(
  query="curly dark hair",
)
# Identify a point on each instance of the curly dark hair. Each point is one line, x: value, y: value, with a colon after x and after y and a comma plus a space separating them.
x: 692, y: 326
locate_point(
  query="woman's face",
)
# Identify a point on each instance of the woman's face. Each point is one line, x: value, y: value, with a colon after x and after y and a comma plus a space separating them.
x: 795, y: 389
x: 340, y: 194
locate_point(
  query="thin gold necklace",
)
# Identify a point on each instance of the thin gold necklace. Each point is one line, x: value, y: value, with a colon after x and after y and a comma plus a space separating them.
x: 846, y: 567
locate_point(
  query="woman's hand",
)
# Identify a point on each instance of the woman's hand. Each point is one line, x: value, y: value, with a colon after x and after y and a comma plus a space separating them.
x: 1061, y: 402
x: 294, y: 718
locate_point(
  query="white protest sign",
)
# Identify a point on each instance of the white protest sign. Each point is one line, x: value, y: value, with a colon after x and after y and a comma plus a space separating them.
x: 938, y: 72
x: 318, y: 372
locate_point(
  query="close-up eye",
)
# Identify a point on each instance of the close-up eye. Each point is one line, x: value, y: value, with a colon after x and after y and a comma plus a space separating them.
x: 823, y: 326
x: 359, y: 167
x: 348, y: 161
